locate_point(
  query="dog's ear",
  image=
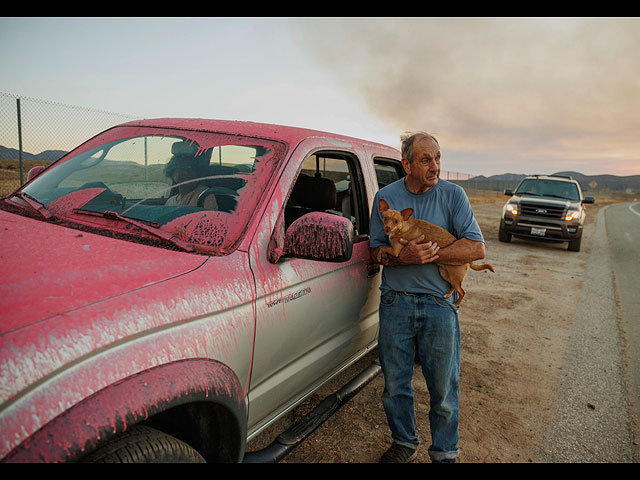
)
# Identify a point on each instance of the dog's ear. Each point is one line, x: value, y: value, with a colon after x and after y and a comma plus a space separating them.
x: 384, y: 206
x: 406, y: 213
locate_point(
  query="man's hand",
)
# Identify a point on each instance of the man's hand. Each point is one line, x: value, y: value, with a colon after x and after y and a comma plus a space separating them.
x: 418, y: 251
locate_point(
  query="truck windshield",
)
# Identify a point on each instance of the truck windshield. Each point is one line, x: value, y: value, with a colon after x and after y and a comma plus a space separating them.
x: 200, y: 187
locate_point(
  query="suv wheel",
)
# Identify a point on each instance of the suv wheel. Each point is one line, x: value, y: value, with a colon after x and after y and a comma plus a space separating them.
x: 140, y: 444
x: 503, y: 236
x: 574, y: 245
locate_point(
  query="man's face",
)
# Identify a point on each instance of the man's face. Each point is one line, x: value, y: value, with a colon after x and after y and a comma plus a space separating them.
x: 184, y: 173
x: 423, y: 172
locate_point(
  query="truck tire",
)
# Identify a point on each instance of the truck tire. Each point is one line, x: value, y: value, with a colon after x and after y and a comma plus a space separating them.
x: 141, y: 444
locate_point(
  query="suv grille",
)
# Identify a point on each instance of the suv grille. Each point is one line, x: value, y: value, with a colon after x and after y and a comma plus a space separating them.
x: 543, y: 211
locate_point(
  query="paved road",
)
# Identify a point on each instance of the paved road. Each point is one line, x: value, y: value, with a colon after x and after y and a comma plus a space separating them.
x: 592, y: 420
x: 623, y: 227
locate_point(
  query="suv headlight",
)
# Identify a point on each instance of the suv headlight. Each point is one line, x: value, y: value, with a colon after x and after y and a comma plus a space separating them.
x: 572, y: 215
x: 511, y: 208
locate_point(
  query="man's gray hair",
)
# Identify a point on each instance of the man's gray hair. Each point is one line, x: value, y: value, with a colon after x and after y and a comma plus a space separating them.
x: 407, y: 139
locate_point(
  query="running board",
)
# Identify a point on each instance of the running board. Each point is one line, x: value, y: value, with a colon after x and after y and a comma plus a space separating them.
x: 295, y: 435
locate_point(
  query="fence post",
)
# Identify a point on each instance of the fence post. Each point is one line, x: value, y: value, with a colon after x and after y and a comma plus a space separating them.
x: 19, y: 141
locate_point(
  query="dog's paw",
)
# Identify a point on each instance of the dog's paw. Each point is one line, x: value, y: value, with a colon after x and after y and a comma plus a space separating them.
x: 383, y: 257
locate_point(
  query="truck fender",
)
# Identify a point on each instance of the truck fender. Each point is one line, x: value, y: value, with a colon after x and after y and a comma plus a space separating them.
x: 111, y: 410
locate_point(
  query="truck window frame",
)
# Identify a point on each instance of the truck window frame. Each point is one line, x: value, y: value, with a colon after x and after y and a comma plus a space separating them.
x: 359, y: 205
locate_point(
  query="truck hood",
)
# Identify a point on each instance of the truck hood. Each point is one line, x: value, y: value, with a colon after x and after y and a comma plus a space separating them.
x: 558, y: 202
x: 49, y: 269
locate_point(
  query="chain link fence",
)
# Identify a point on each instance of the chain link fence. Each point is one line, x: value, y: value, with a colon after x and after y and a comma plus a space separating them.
x: 37, y: 132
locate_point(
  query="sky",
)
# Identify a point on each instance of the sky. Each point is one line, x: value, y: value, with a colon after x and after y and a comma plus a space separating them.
x: 501, y: 95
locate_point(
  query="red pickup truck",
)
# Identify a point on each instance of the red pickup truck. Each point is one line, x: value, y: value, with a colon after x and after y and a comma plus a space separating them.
x: 173, y: 286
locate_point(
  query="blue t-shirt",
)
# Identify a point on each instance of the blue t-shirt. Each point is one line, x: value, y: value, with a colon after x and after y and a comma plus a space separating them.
x: 445, y: 204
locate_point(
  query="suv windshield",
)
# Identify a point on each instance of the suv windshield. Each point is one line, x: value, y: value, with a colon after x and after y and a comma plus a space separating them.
x: 197, y: 187
x: 549, y: 188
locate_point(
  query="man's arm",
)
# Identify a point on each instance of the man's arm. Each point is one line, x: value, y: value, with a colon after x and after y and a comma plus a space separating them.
x: 461, y: 251
x: 417, y: 251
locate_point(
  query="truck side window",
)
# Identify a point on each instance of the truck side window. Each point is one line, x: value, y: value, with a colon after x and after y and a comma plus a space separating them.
x: 387, y: 171
x: 330, y: 182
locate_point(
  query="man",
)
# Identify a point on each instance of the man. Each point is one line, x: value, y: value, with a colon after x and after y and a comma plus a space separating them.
x: 186, y: 168
x: 412, y: 308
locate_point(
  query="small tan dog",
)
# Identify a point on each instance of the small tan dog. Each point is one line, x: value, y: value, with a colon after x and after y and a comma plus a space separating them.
x: 400, y: 224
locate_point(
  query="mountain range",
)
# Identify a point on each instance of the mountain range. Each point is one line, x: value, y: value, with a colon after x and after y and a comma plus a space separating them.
x: 629, y: 183
x: 46, y: 156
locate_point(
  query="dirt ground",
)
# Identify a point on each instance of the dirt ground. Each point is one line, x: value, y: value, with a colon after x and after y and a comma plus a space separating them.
x: 514, y: 324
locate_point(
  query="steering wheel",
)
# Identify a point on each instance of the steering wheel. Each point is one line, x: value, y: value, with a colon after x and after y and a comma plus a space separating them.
x: 225, y: 198
x: 108, y: 194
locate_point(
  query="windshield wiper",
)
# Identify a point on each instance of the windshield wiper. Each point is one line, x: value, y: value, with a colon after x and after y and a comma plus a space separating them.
x: 156, y: 232
x: 169, y: 237
x: 35, y: 204
x: 559, y: 196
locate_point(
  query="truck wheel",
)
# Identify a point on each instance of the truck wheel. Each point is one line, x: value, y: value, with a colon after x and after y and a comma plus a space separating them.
x: 141, y: 444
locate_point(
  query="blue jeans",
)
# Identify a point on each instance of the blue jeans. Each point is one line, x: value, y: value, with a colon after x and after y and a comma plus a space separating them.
x: 431, y: 323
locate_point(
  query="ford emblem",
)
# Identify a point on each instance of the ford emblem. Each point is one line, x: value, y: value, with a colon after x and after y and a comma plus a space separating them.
x: 540, y: 210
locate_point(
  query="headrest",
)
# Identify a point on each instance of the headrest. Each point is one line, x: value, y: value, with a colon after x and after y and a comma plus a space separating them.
x: 314, y: 193
x: 190, y: 149
x: 187, y: 154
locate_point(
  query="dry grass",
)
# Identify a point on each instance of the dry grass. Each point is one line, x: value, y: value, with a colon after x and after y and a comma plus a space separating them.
x: 10, y: 173
x: 485, y: 196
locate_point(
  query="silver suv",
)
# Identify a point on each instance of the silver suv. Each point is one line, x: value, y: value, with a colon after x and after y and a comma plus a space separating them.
x: 545, y: 207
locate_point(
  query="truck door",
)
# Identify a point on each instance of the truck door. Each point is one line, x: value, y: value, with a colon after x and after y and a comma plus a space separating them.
x: 312, y: 317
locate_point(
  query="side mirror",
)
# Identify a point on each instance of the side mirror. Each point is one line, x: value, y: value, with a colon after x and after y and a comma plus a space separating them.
x: 34, y: 172
x: 589, y: 200
x: 319, y: 236
x: 508, y: 191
